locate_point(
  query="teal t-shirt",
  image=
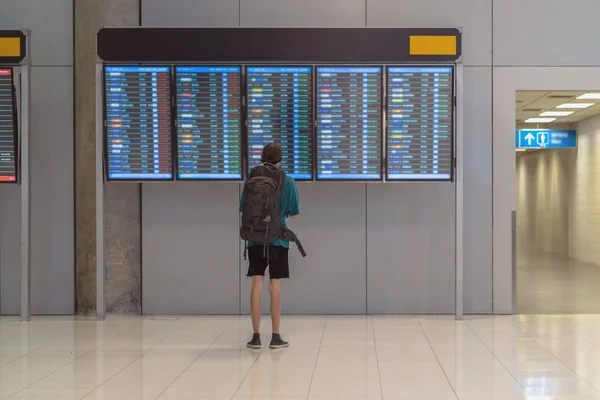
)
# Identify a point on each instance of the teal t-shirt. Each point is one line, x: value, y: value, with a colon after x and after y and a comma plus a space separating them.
x: 290, y: 205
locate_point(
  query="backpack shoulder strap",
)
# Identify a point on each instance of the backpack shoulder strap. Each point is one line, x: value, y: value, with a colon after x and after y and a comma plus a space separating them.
x: 281, y: 179
x: 290, y: 236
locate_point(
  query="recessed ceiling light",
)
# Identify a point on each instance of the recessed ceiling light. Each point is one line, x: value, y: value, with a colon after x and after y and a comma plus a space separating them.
x: 556, y: 113
x: 589, y: 96
x: 575, y: 105
x: 539, y: 120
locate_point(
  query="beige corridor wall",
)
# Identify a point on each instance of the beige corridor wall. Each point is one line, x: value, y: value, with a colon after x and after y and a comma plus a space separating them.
x: 543, y: 202
x: 585, y: 194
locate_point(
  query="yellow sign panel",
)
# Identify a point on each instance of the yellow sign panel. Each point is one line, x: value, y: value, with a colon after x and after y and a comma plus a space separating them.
x: 10, y: 47
x: 432, y: 45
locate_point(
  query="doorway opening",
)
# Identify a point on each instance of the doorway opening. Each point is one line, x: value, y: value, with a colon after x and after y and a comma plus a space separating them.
x: 557, y: 142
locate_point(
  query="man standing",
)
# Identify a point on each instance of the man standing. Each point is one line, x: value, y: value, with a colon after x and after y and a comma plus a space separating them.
x: 275, y: 254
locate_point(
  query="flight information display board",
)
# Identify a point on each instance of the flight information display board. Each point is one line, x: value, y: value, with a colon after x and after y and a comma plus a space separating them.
x: 419, y: 123
x: 138, y: 123
x: 8, y: 128
x: 280, y: 109
x: 209, y: 140
x: 349, y: 123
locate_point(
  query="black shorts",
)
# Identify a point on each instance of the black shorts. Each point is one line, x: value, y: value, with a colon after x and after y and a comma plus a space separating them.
x: 279, y: 267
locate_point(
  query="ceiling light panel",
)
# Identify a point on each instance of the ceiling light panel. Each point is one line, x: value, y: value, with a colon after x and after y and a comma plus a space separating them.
x: 589, y: 96
x: 578, y: 106
x: 539, y: 120
x: 556, y: 113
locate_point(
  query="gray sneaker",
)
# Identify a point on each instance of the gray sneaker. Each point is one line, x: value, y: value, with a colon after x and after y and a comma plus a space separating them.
x: 277, y: 342
x: 255, y: 342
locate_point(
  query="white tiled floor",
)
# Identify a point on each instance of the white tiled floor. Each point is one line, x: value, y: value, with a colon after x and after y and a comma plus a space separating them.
x: 412, y: 358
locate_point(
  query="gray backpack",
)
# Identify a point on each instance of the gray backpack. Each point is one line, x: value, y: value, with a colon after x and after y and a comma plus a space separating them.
x: 261, y: 211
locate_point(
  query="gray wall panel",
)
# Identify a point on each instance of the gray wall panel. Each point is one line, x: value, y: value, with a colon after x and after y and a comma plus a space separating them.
x: 331, y: 279
x: 51, y: 25
x: 473, y: 15
x: 410, y: 248
x: 52, y: 224
x: 10, y: 249
x: 190, y: 248
x: 522, y: 34
x: 478, y: 190
x: 205, y: 13
x: 327, y: 225
x: 307, y: 13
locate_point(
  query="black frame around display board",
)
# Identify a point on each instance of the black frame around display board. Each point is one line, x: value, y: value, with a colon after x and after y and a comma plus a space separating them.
x: 245, y: 121
x: 15, y: 130
x: 311, y: 121
x: 106, y: 150
x: 177, y: 123
x: 452, y: 124
x: 358, y: 178
x: 279, y: 47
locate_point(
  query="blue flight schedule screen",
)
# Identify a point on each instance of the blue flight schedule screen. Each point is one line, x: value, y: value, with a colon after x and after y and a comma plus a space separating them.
x: 138, y: 123
x: 419, y: 123
x: 209, y: 140
x: 349, y: 123
x: 8, y: 125
x: 280, y: 110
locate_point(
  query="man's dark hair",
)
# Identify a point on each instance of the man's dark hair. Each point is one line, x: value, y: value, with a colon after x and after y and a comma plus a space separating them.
x: 271, y: 153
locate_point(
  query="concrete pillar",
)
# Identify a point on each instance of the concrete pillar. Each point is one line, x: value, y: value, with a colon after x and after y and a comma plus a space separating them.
x: 122, y: 201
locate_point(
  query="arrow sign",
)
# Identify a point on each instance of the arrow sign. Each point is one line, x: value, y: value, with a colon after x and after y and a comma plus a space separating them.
x: 545, y: 139
x: 529, y: 137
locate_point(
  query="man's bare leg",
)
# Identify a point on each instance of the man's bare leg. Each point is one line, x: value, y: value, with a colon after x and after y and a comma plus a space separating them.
x: 256, y: 310
x: 255, y: 301
x: 275, y: 292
